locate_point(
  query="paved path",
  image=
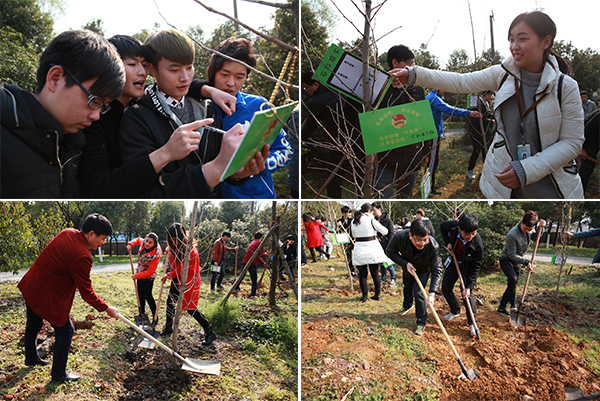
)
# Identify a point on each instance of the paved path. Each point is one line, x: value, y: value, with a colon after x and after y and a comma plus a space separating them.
x: 573, y: 260
x: 95, y: 269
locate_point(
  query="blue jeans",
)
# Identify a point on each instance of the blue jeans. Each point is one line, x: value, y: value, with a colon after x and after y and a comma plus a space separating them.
x: 384, y: 274
x: 62, y: 343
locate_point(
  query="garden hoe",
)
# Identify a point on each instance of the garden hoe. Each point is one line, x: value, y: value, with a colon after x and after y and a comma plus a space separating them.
x: 576, y: 394
x: 515, y: 318
x: 462, y: 288
x: 144, y: 342
x: 142, y: 318
x: 193, y: 365
x: 470, y: 374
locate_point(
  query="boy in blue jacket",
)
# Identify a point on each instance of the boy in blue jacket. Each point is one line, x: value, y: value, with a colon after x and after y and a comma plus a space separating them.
x: 230, y: 76
x: 439, y: 108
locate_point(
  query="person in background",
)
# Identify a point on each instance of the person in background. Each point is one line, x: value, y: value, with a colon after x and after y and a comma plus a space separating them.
x: 590, y: 149
x: 511, y: 258
x: 327, y: 241
x: 439, y: 108
x: 259, y: 260
x: 420, y: 215
x: 49, y: 287
x: 149, y: 254
x: 314, y: 238
x: 588, y: 106
x: 217, y: 259
x: 586, y: 234
x: 367, y: 254
x: 477, y: 136
x: 343, y: 226
x: 383, y: 218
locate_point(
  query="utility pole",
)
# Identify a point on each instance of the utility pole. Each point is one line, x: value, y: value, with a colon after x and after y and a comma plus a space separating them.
x: 492, y: 35
x: 235, y: 14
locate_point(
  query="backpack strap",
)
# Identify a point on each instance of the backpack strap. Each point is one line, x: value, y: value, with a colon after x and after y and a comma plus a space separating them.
x: 559, y: 90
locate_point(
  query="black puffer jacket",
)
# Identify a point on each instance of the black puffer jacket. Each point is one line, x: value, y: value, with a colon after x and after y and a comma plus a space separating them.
x: 38, y: 160
x: 143, y: 130
x: 387, y: 223
x: 402, y: 251
x: 473, y: 257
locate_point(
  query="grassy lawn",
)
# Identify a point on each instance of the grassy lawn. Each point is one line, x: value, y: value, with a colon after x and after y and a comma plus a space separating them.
x: 257, y: 348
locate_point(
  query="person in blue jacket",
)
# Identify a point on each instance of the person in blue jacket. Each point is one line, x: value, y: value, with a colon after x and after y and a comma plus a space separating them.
x: 230, y: 76
x: 439, y: 108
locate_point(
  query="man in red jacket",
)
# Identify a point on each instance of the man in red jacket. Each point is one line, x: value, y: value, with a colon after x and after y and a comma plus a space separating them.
x: 258, y: 260
x: 49, y: 288
x: 217, y: 260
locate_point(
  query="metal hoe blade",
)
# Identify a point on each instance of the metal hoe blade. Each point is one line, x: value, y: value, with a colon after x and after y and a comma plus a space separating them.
x: 145, y: 343
x: 516, y: 320
x: 470, y: 374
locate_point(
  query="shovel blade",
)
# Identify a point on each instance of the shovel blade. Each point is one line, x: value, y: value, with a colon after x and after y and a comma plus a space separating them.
x: 145, y: 343
x: 201, y: 366
x: 471, y: 374
x: 516, y: 320
x: 574, y: 393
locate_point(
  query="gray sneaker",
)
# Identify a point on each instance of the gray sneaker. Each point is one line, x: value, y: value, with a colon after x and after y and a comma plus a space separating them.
x: 392, y: 283
x: 451, y: 316
x: 470, y: 175
x: 420, y: 330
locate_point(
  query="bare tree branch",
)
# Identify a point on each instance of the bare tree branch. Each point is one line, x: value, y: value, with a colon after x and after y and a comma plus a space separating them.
x: 268, y: 3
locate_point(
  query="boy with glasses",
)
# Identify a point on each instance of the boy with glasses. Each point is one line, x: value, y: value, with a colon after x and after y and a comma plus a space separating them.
x: 462, y: 239
x: 79, y: 74
x: 416, y: 251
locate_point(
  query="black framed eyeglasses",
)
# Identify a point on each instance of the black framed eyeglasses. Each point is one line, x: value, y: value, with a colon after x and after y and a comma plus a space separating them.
x: 94, y: 102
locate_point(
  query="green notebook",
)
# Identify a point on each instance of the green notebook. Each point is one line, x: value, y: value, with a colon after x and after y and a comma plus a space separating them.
x: 264, y: 128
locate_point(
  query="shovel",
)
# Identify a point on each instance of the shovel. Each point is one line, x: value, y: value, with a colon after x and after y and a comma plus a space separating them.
x: 193, y: 365
x: 515, y: 319
x: 462, y: 288
x: 142, y: 318
x: 145, y: 343
x: 576, y: 394
x: 470, y: 374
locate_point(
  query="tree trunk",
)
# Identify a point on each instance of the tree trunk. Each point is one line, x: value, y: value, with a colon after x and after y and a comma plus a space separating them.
x: 275, y: 265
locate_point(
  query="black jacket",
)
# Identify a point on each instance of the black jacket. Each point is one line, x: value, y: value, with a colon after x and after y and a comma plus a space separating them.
x: 402, y: 251
x: 408, y: 158
x: 102, y: 174
x: 37, y: 160
x: 473, y: 257
x: 387, y: 223
x: 322, y: 104
x: 143, y: 130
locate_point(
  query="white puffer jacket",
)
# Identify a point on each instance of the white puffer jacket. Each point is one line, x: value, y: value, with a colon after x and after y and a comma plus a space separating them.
x: 560, y: 126
x: 367, y: 252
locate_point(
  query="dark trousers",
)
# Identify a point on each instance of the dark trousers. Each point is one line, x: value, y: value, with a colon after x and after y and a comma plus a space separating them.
x: 477, y: 141
x: 512, y: 272
x: 412, y: 290
x: 217, y: 277
x: 302, y: 252
x: 348, y: 251
x: 312, y: 252
x: 254, y: 278
x: 195, y: 313
x: 145, y: 292
x: 450, y: 278
x: 62, y: 343
x: 587, y: 168
x: 363, y: 272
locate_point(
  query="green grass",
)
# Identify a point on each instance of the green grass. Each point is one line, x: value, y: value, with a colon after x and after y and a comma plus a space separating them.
x: 266, y: 371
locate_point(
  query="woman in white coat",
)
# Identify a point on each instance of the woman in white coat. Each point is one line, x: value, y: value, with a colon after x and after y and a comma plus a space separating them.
x: 537, y: 108
x: 368, y: 253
